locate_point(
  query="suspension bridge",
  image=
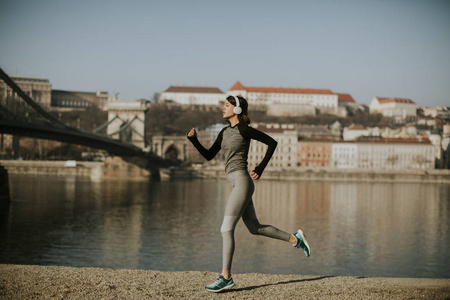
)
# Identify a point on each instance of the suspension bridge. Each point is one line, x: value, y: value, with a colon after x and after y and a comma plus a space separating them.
x: 20, y: 115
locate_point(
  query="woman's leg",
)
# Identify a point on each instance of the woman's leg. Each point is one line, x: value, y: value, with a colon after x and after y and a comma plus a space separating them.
x: 241, y: 191
x: 298, y: 239
x: 253, y: 225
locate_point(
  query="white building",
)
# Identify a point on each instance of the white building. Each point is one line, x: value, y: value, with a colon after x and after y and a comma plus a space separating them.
x: 38, y: 89
x: 436, y: 139
x: 344, y: 155
x: 285, y: 155
x: 354, y: 131
x: 286, y: 101
x: 445, y: 137
x: 398, y: 108
x: 346, y: 100
x: 434, y: 112
x: 192, y: 95
x: 380, y: 153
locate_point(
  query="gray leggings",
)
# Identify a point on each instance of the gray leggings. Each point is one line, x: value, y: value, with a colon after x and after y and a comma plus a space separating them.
x: 240, y: 204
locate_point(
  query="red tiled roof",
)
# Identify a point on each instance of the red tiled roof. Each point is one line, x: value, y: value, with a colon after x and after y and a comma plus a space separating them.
x: 398, y: 100
x: 237, y: 86
x: 345, y: 98
x: 254, y: 89
x: 193, y: 89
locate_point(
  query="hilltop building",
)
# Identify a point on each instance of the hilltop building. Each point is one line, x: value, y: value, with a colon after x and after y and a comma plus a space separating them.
x: 279, y: 101
x: 308, y: 131
x: 442, y: 112
x: 192, y: 95
x: 398, y: 108
x: 346, y: 100
x: 69, y: 100
x: 38, y: 89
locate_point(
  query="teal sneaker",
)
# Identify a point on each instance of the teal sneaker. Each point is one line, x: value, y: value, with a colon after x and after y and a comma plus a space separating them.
x: 302, y: 243
x: 220, y: 284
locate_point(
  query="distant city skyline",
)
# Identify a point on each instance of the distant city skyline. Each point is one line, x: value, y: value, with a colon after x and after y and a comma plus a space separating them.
x: 137, y: 48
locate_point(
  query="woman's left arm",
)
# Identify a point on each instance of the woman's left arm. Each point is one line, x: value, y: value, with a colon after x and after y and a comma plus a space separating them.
x: 252, y: 133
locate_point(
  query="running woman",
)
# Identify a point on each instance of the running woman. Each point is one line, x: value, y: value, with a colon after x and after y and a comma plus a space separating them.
x: 234, y: 140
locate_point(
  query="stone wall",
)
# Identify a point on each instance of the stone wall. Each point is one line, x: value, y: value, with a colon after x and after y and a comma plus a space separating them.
x: 111, y: 168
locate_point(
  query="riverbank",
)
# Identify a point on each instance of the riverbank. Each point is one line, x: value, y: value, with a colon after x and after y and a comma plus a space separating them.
x: 43, y: 282
x: 117, y: 168
x: 342, y: 175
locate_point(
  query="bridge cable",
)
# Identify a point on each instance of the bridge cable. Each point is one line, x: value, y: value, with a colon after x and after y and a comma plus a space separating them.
x: 30, y: 101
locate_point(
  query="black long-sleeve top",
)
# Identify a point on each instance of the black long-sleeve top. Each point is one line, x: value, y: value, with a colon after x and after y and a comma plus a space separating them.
x: 235, y: 141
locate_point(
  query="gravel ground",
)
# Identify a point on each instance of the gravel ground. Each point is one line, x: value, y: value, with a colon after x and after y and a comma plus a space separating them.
x: 45, y: 282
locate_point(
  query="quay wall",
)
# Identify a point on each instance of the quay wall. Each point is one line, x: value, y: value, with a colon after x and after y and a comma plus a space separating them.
x: 344, y: 175
x: 116, y: 168
x: 111, y: 168
x: 49, y: 168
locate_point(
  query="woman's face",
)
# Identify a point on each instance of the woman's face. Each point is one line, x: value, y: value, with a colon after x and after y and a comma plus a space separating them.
x: 227, y: 110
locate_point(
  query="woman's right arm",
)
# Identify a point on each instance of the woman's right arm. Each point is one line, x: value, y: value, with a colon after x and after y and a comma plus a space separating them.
x: 210, y: 153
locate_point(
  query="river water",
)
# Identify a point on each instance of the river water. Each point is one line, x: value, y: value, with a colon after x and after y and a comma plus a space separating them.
x: 355, y: 229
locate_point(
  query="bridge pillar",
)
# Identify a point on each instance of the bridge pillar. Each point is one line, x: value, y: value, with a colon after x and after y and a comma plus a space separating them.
x: 127, y: 122
x: 173, y: 148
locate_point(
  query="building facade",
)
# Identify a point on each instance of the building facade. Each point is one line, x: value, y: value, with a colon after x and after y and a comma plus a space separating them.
x: 346, y: 100
x: 285, y: 156
x: 354, y: 131
x: 384, y: 153
x: 294, y: 151
x: 281, y: 101
x: 191, y: 95
x: 344, y: 155
x: 38, y: 89
x: 78, y: 100
x: 314, y: 152
x: 397, y: 108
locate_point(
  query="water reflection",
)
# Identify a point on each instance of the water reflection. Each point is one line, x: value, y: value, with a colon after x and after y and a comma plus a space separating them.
x: 359, y: 229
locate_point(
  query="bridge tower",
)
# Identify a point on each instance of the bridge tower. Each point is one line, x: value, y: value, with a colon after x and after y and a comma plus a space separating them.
x: 126, y: 122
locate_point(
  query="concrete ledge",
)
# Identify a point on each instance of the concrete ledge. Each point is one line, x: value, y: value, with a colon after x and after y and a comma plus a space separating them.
x: 50, y: 168
x: 112, y: 168
x: 117, y: 168
x: 342, y: 175
x: 43, y: 282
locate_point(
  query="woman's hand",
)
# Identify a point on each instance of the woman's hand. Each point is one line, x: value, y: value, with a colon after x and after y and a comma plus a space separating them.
x: 192, y: 133
x: 254, y: 175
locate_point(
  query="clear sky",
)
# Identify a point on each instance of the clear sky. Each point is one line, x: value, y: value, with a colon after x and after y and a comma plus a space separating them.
x: 390, y: 48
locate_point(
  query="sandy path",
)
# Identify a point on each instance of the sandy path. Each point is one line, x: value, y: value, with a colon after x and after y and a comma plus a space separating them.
x: 44, y: 282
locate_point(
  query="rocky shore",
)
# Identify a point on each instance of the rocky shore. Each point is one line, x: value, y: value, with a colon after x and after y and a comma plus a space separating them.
x: 52, y: 282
